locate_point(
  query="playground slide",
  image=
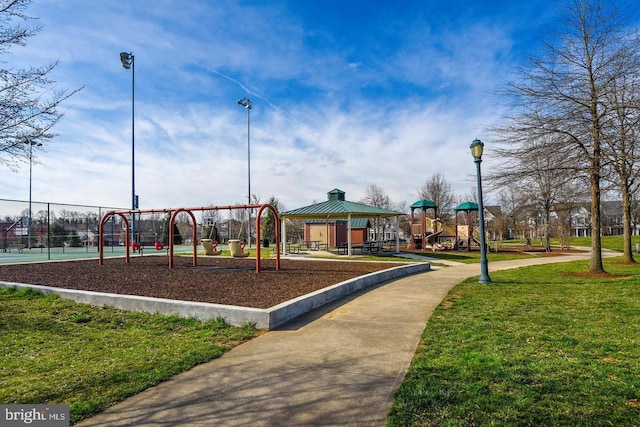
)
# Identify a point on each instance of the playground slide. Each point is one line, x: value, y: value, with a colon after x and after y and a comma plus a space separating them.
x: 433, y: 236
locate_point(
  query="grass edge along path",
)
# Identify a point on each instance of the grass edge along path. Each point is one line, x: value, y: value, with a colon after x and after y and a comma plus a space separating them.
x: 59, y: 351
x: 541, y: 345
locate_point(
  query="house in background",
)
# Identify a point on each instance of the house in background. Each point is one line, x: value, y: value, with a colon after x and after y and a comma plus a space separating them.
x: 228, y: 229
x: 612, y: 222
x: 493, y: 221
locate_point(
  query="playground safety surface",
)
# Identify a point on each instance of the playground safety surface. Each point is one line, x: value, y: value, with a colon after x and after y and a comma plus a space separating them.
x: 217, y: 280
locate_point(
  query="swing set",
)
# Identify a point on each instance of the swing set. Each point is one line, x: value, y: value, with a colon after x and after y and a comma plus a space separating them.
x: 174, y: 213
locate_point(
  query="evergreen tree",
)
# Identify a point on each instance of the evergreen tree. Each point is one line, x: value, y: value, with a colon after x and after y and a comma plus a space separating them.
x: 269, y: 223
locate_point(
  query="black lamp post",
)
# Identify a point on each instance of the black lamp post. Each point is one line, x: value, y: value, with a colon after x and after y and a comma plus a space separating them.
x: 246, y: 103
x: 476, y: 151
x: 128, y: 62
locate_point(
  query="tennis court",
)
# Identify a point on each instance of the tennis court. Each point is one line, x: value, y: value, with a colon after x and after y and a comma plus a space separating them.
x: 70, y: 253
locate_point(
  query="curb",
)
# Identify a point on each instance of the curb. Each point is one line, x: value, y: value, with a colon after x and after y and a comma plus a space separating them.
x: 269, y: 318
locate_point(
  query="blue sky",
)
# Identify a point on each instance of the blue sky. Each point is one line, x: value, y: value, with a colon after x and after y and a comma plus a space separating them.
x: 345, y: 94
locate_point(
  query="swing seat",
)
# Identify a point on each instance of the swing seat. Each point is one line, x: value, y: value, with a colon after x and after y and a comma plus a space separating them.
x: 210, y: 247
x: 237, y: 249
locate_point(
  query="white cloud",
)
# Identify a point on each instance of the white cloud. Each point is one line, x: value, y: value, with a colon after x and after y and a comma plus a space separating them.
x: 327, y: 112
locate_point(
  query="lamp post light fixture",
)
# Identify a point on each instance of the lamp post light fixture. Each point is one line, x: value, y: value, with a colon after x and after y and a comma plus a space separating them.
x: 476, y: 151
x: 246, y: 103
x: 128, y: 63
x: 31, y: 144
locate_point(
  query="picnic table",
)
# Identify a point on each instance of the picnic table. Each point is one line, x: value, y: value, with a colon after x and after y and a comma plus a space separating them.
x: 312, y: 245
x: 368, y: 247
x: 292, y: 248
x: 371, y: 246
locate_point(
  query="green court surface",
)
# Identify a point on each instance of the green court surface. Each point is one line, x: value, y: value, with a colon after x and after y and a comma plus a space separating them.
x: 65, y: 254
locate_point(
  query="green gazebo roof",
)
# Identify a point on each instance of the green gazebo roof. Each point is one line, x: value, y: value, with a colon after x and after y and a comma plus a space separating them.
x: 467, y: 206
x: 424, y: 204
x: 338, y: 207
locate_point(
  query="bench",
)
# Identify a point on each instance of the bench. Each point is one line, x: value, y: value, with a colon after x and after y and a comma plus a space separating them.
x: 17, y: 246
x: 135, y: 247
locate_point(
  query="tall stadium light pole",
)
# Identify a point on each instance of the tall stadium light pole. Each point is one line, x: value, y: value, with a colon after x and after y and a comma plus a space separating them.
x: 31, y: 144
x: 476, y: 151
x: 246, y: 103
x: 128, y: 62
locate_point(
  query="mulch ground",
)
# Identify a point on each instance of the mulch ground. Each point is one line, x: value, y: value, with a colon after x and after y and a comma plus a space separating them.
x: 219, y: 280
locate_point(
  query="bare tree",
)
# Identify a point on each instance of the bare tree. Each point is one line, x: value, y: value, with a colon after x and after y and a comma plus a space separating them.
x: 635, y: 212
x: 512, y: 202
x: 376, y: 196
x: 26, y: 116
x: 621, y: 143
x: 540, y: 175
x: 404, y: 224
x: 561, y: 96
x: 439, y: 191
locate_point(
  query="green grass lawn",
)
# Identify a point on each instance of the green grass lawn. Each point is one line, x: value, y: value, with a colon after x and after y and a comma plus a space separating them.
x: 609, y: 242
x: 471, y: 257
x: 58, y: 351
x: 537, y: 347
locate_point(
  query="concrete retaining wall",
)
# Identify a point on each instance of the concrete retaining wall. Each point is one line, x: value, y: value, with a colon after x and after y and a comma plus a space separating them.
x: 269, y: 318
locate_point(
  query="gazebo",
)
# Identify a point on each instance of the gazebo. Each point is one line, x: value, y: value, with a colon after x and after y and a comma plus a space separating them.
x: 337, y: 208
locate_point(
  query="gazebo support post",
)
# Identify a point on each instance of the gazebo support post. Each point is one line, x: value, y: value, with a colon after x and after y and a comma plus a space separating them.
x: 349, y: 235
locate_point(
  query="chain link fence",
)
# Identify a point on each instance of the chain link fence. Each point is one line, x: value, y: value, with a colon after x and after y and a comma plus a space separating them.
x: 54, y: 228
x: 58, y: 230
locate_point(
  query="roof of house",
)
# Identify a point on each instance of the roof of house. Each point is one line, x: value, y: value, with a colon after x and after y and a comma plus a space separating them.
x: 494, y: 210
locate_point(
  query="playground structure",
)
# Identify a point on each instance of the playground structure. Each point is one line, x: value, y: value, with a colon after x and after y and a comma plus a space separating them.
x: 124, y: 214
x: 465, y: 233
x: 426, y: 231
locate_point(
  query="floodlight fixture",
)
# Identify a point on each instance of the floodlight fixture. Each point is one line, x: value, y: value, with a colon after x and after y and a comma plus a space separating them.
x: 245, y: 102
x: 126, y: 59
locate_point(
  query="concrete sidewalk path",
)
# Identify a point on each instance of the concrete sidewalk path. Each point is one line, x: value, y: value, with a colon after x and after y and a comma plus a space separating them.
x: 337, y: 366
